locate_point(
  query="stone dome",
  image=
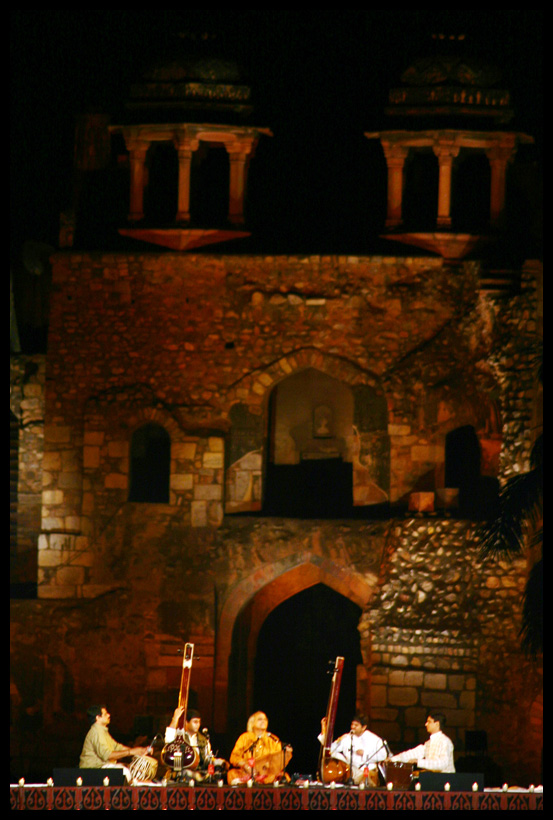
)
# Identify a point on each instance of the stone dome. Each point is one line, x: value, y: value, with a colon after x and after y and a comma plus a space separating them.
x: 451, y: 86
x: 191, y: 84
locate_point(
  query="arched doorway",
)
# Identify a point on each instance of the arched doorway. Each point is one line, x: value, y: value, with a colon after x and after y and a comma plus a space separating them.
x: 292, y: 664
x: 309, y: 463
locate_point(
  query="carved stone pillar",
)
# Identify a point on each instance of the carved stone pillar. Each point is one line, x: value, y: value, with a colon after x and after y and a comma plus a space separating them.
x: 185, y: 150
x: 240, y: 154
x: 395, y: 160
x: 446, y: 153
x: 499, y: 157
x: 137, y: 149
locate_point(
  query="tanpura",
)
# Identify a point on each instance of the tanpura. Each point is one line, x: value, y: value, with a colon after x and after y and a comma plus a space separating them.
x: 179, y: 754
x: 330, y: 769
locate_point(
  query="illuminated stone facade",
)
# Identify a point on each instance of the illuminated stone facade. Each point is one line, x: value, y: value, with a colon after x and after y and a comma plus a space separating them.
x: 198, y: 345
x: 341, y: 421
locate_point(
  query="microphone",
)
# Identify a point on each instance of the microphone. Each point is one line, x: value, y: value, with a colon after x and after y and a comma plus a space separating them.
x: 388, y: 750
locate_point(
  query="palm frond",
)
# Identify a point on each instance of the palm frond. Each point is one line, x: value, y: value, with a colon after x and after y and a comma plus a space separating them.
x: 532, y: 613
x: 518, y: 507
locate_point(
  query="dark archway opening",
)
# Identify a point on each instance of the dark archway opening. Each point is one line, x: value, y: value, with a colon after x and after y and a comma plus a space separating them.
x: 296, y: 649
x: 420, y: 194
x: 209, y: 198
x: 477, y: 493
x: 470, y: 198
x: 150, y: 465
x: 160, y: 196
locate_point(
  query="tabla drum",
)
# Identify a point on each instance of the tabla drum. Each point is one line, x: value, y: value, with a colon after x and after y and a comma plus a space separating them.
x: 143, y: 768
x: 398, y: 774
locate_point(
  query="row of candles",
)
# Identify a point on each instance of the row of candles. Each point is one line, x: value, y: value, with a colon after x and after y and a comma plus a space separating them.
x: 249, y: 784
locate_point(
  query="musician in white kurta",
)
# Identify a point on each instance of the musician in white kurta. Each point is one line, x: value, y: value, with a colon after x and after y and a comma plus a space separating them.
x: 362, y: 748
x: 436, y: 755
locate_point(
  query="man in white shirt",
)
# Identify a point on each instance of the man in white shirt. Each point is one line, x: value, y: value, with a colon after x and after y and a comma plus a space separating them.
x: 361, y: 748
x: 436, y: 755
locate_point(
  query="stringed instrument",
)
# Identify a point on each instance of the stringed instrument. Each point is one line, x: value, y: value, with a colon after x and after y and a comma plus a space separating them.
x: 266, y: 769
x: 332, y: 770
x: 179, y: 754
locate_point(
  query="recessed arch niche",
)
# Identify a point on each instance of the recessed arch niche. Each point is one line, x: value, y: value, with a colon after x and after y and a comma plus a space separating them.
x: 313, y: 464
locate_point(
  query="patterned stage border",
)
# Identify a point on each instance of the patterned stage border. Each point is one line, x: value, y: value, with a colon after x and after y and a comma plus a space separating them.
x: 242, y: 798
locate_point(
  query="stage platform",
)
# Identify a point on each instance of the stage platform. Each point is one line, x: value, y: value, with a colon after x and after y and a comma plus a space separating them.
x: 42, y: 797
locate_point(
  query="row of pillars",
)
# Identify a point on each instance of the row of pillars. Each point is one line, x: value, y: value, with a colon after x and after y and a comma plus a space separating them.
x: 446, y: 151
x: 240, y: 151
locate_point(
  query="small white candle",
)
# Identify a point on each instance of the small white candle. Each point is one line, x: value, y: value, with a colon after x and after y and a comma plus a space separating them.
x: 333, y: 785
x: 79, y: 781
x: 504, y: 787
x: 362, y: 784
x: 389, y: 786
x: 106, y: 781
x: 475, y: 787
x: 446, y: 787
x: 49, y: 782
x: 191, y: 783
x: 21, y: 781
x: 220, y: 783
x: 417, y: 787
x: 531, y: 788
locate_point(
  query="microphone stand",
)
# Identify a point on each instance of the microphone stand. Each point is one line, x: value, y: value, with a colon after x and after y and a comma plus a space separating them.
x: 368, y: 760
x: 251, y: 749
x: 350, y: 780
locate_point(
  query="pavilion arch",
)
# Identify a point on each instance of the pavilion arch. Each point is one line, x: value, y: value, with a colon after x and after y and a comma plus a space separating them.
x: 264, y: 591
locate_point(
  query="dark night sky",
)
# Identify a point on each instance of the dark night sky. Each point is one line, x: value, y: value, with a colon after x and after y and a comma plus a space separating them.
x: 320, y: 79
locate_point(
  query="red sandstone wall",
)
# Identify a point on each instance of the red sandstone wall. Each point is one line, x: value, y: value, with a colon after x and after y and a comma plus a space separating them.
x: 180, y: 340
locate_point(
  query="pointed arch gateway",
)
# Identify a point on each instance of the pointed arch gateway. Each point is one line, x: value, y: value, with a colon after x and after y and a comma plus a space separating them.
x: 260, y: 594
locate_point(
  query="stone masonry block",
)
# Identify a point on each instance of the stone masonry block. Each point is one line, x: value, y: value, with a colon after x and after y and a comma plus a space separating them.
x: 94, y: 438
x: 403, y: 695
x: 442, y: 700
x: 91, y: 457
x: 182, y: 482
x: 379, y: 696
x: 52, y: 497
x: 435, y: 680
x: 208, y: 492
x: 213, y: 461
x: 116, y: 481
x: 185, y: 450
x: 215, y: 444
x: 118, y: 449
x: 57, y: 435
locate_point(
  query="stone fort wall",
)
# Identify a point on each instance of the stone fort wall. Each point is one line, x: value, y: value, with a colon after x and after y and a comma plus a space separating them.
x: 182, y: 340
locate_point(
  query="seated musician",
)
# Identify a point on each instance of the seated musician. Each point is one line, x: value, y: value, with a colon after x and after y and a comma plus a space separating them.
x: 363, y: 748
x: 198, y: 740
x: 100, y: 750
x: 436, y: 755
x: 258, y: 754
